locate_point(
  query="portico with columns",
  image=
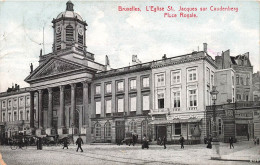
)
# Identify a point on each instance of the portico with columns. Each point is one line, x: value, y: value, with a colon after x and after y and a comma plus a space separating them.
x: 62, y: 80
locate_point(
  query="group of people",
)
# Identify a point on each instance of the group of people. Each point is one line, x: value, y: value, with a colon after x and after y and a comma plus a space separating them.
x: 230, y: 140
x: 79, y: 141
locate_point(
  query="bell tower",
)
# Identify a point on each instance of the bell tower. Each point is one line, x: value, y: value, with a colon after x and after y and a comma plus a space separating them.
x: 69, y: 31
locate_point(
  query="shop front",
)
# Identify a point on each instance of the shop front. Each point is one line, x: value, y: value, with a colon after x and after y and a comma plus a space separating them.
x: 172, y: 129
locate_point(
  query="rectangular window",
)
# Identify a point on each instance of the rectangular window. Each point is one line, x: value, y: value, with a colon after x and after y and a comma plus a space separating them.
x: 192, y: 74
x: 176, y: 77
x: 233, y: 81
x: 9, y: 103
x: 20, y: 101
x: 15, y: 102
x: 177, y: 128
x: 15, y: 116
x: 176, y: 99
x: 238, y: 97
x: 120, y: 105
x: 212, y: 79
x: 108, y: 106
x: 132, y: 103
x: 120, y: 86
x: 27, y: 101
x: 247, y: 79
x: 97, y: 89
x: 160, y: 100
x: 9, y: 116
x: 132, y: 84
x: 145, y: 82
x: 27, y: 115
x: 108, y: 88
x: 241, y: 80
x: 193, y: 98
x: 3, y: 104
x: 160, y: 80
x: 21, y: 115
x: 98, y: 107
x: 146, y: 103
x: 3, y: 120
x: 208, y: 75
x: 237, y: 79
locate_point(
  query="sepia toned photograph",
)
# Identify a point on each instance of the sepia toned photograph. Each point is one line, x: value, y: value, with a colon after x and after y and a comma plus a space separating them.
x: 101, y: 82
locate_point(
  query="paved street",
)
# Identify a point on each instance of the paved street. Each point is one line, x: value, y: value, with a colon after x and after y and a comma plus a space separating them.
x: 113, y: 154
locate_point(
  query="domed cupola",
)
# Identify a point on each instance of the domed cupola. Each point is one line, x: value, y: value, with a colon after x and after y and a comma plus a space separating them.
x: 69, y: 30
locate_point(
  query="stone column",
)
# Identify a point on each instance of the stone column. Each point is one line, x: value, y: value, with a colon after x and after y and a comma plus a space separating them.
x: 62, y: 108
x: 31, y: 109
x: 85, y: 104
x: 73, y: 103
x: 40, y: 111
x: 50, y: 104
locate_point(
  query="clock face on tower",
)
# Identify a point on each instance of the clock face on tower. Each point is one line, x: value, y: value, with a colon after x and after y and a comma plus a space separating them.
x: 80, y: 31
x: 58, y: 29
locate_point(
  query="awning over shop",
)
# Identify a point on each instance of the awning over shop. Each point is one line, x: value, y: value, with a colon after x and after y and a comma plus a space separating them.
x: 195, y: 120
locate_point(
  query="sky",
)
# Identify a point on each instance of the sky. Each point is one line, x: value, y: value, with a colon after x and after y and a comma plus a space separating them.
x: 121, y: 34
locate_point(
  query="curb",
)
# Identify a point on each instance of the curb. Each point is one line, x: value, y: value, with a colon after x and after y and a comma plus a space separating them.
x: 240, y: 160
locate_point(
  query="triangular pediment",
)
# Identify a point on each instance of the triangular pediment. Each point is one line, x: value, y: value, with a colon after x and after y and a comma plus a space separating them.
x: 53, y: 67
x: 56, y: 67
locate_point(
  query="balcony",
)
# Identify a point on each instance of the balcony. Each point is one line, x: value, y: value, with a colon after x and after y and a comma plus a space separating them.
x: 159, y: 111
x: 177, y: 109
x: 192, y: 108
x: 118, y: 114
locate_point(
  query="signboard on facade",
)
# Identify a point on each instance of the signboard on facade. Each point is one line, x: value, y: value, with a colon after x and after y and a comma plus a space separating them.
x: 243, y: 114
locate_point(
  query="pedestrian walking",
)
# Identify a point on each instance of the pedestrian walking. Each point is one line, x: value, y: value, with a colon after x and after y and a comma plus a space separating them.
x: 209, y: 142
x: 79, y: 142
x: 164, y: 142
x: 145, y: 142
x: 181, y: 141
x: 231, y: 142
x: 65, y: 143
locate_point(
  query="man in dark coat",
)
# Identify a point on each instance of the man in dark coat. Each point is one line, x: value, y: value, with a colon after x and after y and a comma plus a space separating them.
x: 209, y: 142
x: 231, y: 142
x: 65, y: 143
x: 79, y: 142
x: 145, y: 142
x: 164, y: 142
x: 181, y: 141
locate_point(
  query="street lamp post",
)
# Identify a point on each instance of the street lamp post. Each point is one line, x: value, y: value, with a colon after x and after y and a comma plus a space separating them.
x: 215, y: 141
x: 72, y: 126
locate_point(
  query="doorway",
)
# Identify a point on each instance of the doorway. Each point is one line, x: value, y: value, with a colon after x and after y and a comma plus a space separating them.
x: 120, y: 131
x: 161, y: 132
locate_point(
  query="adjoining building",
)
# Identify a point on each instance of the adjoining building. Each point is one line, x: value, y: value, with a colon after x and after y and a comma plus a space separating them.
x: 243, y: 73
x: 239, y: 120
x: 256, y: 86
x: 15, y: 111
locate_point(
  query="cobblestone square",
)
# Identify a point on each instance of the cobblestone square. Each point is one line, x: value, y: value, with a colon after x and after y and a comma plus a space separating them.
x: 113, y: 154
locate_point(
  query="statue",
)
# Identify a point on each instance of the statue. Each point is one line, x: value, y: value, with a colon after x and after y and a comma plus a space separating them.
x: 31, y: 66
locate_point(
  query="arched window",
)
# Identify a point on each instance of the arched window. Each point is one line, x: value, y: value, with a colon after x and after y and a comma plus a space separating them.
x: 107, y: 129
x: 220, y: 126
x: 69, y: 33
x: 144, y: 127
x: 97, y: 130
x: 132, y: 127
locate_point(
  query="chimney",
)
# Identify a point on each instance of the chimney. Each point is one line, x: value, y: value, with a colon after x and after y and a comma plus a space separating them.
x: 205, y: 47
